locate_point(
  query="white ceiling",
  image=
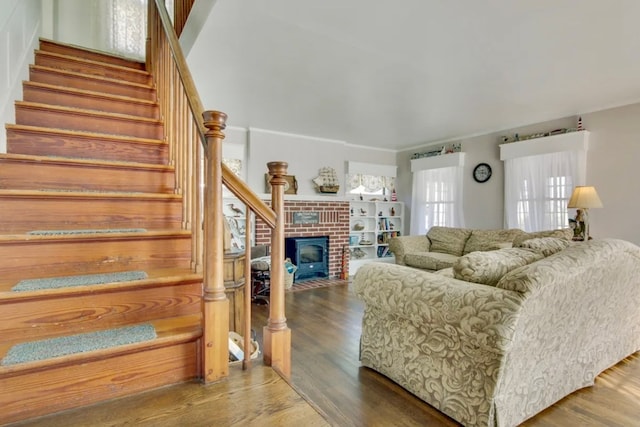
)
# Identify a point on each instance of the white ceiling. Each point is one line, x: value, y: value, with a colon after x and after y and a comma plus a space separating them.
x: 409, y: 72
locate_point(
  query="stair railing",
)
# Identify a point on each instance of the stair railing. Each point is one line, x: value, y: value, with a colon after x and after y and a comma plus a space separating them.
x: 195, y: 139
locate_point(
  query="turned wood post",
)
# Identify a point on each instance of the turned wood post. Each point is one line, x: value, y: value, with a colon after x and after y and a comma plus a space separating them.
x: 277, y: 336
x: 215, y: 349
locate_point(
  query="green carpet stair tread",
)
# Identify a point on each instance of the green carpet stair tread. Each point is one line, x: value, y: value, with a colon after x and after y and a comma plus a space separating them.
x: 88, y: 231
x: 81, y: 343
x: 79, y: 280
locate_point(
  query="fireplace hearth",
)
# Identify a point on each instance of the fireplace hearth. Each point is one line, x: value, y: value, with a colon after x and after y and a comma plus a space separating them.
x: 310, y: 255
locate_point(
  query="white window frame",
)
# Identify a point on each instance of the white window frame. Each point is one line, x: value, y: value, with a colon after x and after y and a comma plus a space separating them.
x: 437, y: 192
x: 540, y: 175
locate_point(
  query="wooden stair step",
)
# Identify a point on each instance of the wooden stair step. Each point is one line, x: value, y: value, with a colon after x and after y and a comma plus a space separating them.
x: 38, y: 315
x: 35, y: 114
x: 26, y: 172
x: 42, y: 387
x: 88, y: 66
x: 71, y: 79
x: 83, y: 52
x: 32, y: 257
x: 40, y: 141
x: 77, y: 98
x: 27, y: 210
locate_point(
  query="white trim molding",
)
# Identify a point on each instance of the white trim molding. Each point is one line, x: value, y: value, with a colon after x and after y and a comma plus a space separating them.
x: 437, y: 162
x: 572, y: 141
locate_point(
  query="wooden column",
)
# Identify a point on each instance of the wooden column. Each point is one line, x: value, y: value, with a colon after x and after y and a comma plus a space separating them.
x: 277, y: 336
x: 215, y: 351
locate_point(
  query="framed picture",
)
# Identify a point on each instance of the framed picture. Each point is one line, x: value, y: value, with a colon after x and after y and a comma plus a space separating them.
x: 291, y: 187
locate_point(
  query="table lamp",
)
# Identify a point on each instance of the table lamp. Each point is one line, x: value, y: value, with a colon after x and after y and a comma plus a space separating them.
x: 583, y: 199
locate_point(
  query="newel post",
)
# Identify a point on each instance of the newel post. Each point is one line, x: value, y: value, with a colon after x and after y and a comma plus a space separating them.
x: 277, y: 336
x: 215, y: 342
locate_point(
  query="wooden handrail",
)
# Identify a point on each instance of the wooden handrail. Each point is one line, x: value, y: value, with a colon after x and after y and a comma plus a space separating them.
x: 194, y: 138
x: 238, y: 187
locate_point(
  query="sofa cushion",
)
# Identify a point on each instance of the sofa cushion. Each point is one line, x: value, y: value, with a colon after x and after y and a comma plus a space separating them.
x: 448, y: 240
x: 546, y: 245
x: 430, y: 260
x: 565, y: 233
x: 490, y: 240
x: 446, y: 272
x: 488, y: 267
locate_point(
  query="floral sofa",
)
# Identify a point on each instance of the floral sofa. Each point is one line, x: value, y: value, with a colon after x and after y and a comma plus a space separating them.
x: 504, y: 334
x: 442, y: 246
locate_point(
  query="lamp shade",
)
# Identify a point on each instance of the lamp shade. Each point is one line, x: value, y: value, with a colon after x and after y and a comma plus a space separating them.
x: 584, y: 197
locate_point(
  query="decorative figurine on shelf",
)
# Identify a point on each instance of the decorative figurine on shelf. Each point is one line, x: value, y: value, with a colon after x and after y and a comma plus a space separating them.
x: 361, y: 198
x: 380, y: 213
x: 394, y: 196
x: 363, y: 212
x: 392, y: 211
x: 580, y: 127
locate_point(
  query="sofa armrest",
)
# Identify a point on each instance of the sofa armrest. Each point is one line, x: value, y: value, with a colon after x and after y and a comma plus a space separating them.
x: 402, y: 245
x: 485, y: 315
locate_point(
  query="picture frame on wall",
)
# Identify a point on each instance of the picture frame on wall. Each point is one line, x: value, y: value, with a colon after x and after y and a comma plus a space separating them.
x: 291, y: 187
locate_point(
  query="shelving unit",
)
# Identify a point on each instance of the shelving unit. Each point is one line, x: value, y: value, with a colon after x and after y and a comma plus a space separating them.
x: 371, y: 225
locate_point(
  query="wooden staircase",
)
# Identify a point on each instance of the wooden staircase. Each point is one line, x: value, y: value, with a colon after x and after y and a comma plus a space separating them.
x: 87, y: 153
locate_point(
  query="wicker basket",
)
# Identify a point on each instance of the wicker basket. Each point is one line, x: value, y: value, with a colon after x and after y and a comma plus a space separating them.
x: 289, y: 273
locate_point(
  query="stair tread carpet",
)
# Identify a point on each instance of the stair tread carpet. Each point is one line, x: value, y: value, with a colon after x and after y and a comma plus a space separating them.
x: 81, y: 343
x: 78, y: 280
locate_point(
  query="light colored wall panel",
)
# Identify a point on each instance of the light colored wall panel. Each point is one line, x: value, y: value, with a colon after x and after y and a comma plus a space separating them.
x: 19, y: 32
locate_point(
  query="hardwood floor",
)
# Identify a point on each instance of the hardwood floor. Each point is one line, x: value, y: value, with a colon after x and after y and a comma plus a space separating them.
x: 325, y: 325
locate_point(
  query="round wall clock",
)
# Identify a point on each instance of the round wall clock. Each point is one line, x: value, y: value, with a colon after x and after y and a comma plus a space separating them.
x: 482, y: 172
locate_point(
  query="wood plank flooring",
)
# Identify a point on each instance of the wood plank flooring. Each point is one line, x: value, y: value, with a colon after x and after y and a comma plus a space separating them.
x: 325, y: 325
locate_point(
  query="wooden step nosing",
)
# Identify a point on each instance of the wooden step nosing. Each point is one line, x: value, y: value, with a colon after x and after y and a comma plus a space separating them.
x: 80, y: 59
x: 103, y: 288
x: 84, y: 134
x: 86, y: 112
x: 90, y: 93
x: 115, y: 195
x: 73, y: 359
x: 104, y: 164
x: 92, y: 51
x: 110, y: 80
x: 22, y: 238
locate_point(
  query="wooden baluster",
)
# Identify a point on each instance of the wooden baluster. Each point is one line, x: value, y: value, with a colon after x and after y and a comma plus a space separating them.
x: 276, y: 335
x: 248, y: 285
x: 215, y: 352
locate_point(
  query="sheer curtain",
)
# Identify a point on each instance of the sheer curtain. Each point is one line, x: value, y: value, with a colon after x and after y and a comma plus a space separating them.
x: 121, y: 26
x: 537, y: 189
x: 437, y: 199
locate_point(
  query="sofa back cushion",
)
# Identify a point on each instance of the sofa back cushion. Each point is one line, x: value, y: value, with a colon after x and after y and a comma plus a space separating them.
x: 490, y: 240
x: 546, y: 245
x: 448, y: 240
x: 565, y: 233
x: 488, y: 267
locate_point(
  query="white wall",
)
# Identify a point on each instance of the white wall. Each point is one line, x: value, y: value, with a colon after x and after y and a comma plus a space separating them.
x: 305, y: 156
x: 612, y: 167
x: 20, y: 22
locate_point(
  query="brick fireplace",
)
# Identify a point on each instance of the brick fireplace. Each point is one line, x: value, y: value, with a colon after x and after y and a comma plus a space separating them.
x: 332, y: 221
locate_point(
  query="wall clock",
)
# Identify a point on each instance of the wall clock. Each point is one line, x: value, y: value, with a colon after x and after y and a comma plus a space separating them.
x: 482, y: 172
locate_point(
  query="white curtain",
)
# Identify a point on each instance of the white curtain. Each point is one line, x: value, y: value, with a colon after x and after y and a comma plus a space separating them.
x: 121, y: 26
x: 537, y: 189
x: 437, y: 199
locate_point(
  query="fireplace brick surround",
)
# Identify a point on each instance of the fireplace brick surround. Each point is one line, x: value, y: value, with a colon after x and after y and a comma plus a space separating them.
x: 333, y: 221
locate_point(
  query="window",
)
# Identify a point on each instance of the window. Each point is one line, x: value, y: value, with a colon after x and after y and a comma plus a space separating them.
x: 437, y: 192
x: 370, y: 179
x: 539, y: 180
x: 126, y: 26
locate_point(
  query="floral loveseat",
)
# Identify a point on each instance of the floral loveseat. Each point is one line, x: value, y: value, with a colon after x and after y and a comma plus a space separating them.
x: 503, y: 334
x: 442, y: 246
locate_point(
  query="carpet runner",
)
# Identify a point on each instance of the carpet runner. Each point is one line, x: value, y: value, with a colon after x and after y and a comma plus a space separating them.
x: 81, y: 343
x: 81, y: 280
